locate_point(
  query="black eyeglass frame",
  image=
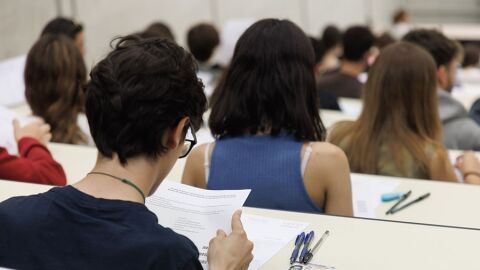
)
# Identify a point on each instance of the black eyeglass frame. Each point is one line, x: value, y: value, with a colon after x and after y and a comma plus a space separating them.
x: 192, y: 142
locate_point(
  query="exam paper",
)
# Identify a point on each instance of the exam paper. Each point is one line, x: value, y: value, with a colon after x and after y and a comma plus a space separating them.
x: 194, y: 212
x: 269, y: 235
x: 367, y: 193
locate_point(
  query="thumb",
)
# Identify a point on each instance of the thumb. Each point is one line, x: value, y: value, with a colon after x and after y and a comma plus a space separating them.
x: 237, y: 222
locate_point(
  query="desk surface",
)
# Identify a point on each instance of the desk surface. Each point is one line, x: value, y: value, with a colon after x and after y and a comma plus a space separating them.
x: 371, y: 244
x: 358, y: 243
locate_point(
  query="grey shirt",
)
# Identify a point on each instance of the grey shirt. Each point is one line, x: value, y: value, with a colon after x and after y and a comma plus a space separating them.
x: 459, y: 130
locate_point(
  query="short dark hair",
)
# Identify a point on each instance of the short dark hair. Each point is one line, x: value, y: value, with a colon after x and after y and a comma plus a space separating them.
x: 202, y: 39
x: 384, y: 40
x: 437, y: 44
x: 318, y: 49
x: 158, y: 29
x: 62, y: 26
x: 471, y: 56
x: 142, y: 88
x: 357, y: 41
x: 331, y: 37
x: 269, y: 86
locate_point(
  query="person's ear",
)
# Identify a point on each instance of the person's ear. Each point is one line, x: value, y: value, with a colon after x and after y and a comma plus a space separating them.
x: 442, y: 74
x: 175, y: 135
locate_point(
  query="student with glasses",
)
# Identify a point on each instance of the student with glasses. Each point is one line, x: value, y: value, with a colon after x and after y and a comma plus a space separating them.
x: 143, y: 104
x: 269, y: 135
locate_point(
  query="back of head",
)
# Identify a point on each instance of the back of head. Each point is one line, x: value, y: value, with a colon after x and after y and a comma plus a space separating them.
x: 62, y: 26
x: 54, y: 75
x: 159, y: 30
x: 202, y: 39
x: 269, y: 86
x: 384, y: 40
x: 357, y: 41
x: 140, y: 90
x: 400, y: 109
x: 318, y: 49
x: 471, y: 56
x: 400, y: 16
x: 331, y: 37
x: 437, y: 44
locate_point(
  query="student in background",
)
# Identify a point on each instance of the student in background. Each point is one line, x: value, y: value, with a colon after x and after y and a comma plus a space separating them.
x: 459, y: 130
x: 358, y: 42
x: 54, y: 77
x: 401, y: 24
x: 142, y: 102
x: 268, y: 129
x: 384, y: 40
x: 158, y: 30
x: 34, y: 164
x: 69, y: 28
x: 202, y: 40
x: 331, y: 40
x: 470, y: 70
x: 327, y: 101
x: 398, y: 132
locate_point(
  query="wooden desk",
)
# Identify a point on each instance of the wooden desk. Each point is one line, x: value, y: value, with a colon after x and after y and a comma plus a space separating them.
x: 370, y: 244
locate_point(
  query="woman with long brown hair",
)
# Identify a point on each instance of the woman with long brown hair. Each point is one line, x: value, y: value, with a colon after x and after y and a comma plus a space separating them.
x: 398, y: 132
x: 54, y: 75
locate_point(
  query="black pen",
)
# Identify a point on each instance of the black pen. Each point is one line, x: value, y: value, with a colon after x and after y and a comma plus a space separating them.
x: 421, y: 198
x: 403, y: 198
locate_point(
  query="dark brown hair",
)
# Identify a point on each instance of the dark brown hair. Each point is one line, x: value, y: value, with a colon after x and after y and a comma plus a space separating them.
x: 54, y: 77
x: 269, y: 86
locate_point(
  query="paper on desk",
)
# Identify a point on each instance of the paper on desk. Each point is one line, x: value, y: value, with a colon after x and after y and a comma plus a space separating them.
x: 269, y: 235
x: 194, y: 212
x: 367, y: 193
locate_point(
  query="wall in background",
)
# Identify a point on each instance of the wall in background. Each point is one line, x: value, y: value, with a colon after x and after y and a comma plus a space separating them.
x: 22, y: 20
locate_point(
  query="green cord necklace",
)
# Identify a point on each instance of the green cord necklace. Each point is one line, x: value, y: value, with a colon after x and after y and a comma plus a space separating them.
x: 123, y: 180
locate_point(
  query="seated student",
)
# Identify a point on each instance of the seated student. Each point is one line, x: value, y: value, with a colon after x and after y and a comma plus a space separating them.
x: 327, y: 101
x: 34, y: 164
x: 66, y: 27
x: 358, y: 42
x: 54, y: 77
x: 398, y: 132
x: 159, y: 30
x: 459, y: 130
x: 401, y: 24
x: 331, y: 41
x: 141, y: 101
x: 268, y: 129
x: 202, y: 40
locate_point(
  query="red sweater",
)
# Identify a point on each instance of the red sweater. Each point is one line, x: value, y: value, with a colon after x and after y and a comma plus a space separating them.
x: 35, y: 164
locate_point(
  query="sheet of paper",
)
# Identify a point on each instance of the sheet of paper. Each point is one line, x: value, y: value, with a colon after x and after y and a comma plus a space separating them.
x: 196, y: 213
x: 12, y: 86
x: 366, y: 194
x: 269, y: 235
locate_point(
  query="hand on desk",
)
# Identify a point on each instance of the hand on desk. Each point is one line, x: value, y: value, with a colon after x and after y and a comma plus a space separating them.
x: 37, y: 129
x: 233, y: 251
x: 469, y: 166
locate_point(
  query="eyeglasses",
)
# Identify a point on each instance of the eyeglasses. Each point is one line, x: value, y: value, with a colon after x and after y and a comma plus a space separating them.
x: 190, y: 141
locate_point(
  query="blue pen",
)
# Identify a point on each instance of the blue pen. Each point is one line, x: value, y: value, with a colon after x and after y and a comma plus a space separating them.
x: 298, y: 244
x: 306, y: 243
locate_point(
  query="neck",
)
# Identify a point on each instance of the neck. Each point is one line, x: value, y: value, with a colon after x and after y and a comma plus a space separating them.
x: 141, y: 172
x: 352, y: 68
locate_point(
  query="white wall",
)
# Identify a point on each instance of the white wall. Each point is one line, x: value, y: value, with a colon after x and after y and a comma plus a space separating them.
x: 22, y: 20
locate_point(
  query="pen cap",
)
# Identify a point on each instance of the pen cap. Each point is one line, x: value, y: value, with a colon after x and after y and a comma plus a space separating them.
x: 391, y: 196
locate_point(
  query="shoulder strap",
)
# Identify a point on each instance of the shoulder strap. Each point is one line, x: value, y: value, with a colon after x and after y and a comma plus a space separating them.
x: 206, y: 162
x: 306, y: 158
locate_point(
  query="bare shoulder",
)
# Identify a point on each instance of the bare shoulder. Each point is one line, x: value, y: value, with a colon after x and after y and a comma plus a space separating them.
x: 328, y: 151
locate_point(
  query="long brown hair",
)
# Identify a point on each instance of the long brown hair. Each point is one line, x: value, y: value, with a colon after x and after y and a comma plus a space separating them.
x: 54, y: 76
x: 399, y: 111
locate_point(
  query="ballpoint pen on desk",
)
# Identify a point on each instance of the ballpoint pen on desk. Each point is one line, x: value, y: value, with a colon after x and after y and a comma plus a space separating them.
x: 298, y: 244
x: 306, y: 243
x: 403, y: 198
x: 312, y: 251
x: 421, y: 198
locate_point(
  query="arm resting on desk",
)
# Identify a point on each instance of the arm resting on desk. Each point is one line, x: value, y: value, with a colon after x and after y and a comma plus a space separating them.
x: 35, y: 164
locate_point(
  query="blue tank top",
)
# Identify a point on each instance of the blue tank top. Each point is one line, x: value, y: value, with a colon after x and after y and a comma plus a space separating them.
x: 269, y: 166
